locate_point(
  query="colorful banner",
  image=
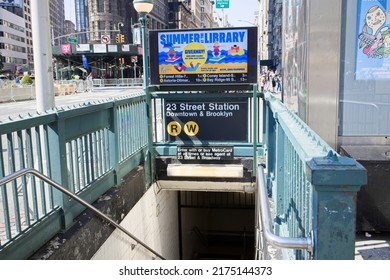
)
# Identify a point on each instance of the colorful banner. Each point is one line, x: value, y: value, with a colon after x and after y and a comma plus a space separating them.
x: 85, y: 61
x: 204, y: 56
x: 373, y: 40
x: 66, y: 49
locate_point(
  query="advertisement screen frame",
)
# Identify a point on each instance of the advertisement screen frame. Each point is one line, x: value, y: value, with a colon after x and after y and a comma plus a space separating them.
x: 216, y: 56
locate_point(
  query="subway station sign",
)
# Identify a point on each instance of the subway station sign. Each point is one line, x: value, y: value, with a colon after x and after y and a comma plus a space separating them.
x: 204, y: 56
x: 214, y: 120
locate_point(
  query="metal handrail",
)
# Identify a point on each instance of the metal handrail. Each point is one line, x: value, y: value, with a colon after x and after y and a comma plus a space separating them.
x: 22, y: 172
x: 265, y: 217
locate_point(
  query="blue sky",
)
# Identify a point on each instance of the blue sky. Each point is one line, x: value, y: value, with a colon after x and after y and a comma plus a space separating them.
x: 69, y: 10
x: 238, y: 10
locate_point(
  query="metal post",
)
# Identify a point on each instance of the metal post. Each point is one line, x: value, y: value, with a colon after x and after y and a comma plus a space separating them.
x: 149, y: 153
x: 43, y: 69
x: 254, y: 129
x: 336, y: 181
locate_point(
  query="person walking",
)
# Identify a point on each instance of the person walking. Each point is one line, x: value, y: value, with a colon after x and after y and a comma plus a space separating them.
x: 278, y: 84
x: 273, y: 82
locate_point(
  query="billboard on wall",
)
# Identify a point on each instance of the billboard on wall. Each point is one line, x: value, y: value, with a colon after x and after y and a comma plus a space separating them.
x: 204, y: 56
x: 373, y: 40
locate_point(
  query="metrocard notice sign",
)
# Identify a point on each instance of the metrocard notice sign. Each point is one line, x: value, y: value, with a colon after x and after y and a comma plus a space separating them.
x: 204, y: 56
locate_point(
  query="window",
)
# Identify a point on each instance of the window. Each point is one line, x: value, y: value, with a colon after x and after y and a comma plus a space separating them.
x: 100, y: 6
x: 101, y: 25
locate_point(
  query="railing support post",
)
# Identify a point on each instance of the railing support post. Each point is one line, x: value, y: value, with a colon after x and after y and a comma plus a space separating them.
x: 336, y: 181
x: 58, y: 168
x: 270, y: 127
x: 255, y: 130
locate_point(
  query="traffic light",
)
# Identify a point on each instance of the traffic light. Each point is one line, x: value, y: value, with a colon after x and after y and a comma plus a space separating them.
x: 121, y: 61
x: 120, y: 38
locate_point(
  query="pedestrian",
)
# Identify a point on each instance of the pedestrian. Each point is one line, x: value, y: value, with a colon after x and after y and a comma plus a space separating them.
x: 273, y: 82
x: 279, y: 84
x: 262, y: 82
x: 267, y: 84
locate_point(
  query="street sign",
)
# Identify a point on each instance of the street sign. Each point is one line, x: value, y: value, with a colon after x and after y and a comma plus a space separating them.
x: 222, y: 4
x: 105, y: 39
x: 72, y: 40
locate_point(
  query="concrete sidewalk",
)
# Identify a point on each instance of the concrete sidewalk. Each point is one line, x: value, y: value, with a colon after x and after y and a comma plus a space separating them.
x: 372, y: 246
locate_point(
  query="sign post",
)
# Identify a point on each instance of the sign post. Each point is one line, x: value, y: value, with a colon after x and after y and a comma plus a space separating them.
x: 222, y: 4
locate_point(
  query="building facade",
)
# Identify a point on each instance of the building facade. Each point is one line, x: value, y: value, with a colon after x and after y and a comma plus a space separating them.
x: 16, y: 40
x: 57, y: 19
x: 206, y: 13
x: 81, y: 24
x: 13, y: 40
x: 105, y: 17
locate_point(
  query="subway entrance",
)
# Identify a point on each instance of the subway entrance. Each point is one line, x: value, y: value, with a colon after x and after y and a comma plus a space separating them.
x: 216, y: 225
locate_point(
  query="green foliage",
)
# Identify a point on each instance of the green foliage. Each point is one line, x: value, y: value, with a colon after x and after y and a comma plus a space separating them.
x: 26, y: 80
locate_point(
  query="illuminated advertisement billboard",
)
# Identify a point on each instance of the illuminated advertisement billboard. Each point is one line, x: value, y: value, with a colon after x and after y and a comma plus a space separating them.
x: 203, y: 56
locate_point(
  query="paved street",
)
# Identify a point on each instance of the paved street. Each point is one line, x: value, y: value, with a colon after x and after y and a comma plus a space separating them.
x: 13, y: 109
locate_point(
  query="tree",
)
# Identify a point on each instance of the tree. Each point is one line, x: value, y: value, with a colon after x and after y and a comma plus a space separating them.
x: 26, y: 80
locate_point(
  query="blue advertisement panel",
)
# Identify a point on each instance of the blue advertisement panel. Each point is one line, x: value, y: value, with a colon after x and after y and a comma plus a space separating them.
x: 204, y: 56
x: 373, y: 40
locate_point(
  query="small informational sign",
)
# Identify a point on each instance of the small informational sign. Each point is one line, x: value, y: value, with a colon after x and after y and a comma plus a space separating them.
x: 125, y: 48
x: 99, y: 48
x: 83, y: 48
x: 137, y: 36
x: 112, y: 48
x: 212, y: 120
x: 204, y: 56
x: 205, y: 153
x: 222, y: 4
x: 72, y: 40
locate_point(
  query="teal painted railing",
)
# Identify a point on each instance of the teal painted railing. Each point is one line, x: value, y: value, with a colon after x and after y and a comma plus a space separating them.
x: 87, y: 150
x: 313, y: 188
x: 90, y: 148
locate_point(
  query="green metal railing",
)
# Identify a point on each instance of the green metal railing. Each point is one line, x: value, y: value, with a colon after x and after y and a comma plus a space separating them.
x: 312, y: 187
x: 46, y: 179
x: 86, y: 149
